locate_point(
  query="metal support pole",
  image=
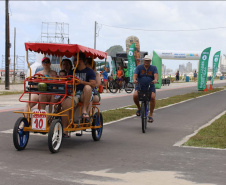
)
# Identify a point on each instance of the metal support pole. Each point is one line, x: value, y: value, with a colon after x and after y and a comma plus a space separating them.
x: 14, y: 70
x: 95, y: 34
x: 6, y: 46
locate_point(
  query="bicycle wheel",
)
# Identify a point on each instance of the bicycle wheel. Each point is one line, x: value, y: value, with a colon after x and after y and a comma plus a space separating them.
x: 144, y: 116
x: 129, y: 87
x: 55, y: 136
x: 113, y: 87
x: 97, y: 133
x: 20, y: 137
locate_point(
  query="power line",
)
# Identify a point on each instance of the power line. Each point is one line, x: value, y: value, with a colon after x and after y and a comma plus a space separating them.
x: 202, y: 29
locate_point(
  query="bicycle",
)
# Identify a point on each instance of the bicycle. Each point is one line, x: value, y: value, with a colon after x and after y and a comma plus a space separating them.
x: 144, y: 95
x: 114, y: 86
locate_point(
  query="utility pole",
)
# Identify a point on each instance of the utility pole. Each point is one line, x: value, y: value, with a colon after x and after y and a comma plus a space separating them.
x: 95, y: 34
x: 6, y: 45
x: 14, y: 71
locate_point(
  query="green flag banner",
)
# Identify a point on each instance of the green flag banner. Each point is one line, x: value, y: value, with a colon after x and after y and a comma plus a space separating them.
x: 203, y: 69
x: 216, y: 59
x: 113, y: 69
x: 131, y: 61
x: 157, y: 61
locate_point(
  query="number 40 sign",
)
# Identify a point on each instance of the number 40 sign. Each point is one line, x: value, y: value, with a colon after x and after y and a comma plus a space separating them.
x: 39, y: 120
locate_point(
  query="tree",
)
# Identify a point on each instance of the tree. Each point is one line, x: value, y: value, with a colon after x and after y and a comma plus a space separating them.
x: 114, y: 49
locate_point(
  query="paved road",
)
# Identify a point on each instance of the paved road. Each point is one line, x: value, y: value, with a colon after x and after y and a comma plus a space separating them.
x: 124, y: 155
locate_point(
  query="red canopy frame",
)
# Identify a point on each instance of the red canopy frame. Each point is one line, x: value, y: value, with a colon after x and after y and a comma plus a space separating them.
x: 67, y: 50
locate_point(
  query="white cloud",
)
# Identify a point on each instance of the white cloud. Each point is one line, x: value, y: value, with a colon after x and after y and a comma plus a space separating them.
x: 27, y: 17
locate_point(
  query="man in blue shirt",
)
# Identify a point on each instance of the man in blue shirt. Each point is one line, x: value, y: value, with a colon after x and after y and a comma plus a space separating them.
x: 87, y: 81
x: 144, y: 74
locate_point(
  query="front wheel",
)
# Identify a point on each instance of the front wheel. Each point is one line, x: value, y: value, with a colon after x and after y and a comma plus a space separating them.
x: 113, y: 87
x: 55, y: 136
x: 20, y: 138
x: 129, y: 87
x: 144, y: 116
x: 97, y: 120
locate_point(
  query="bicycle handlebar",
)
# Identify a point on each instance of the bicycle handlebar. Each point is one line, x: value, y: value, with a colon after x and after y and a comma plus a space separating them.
x: 150, y: 83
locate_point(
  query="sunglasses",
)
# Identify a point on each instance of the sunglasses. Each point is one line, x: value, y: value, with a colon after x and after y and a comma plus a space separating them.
x: 46, y: 62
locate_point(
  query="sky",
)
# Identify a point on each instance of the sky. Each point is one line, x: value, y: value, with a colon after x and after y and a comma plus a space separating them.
x: 162, y: 25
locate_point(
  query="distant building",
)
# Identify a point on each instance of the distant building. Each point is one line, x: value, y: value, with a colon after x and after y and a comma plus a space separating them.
x: 182, y: 69
x: 189, y: 67
x: 164, y: 73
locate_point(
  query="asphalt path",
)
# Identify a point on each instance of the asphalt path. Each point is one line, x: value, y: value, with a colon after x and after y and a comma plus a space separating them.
x: 124, y: 155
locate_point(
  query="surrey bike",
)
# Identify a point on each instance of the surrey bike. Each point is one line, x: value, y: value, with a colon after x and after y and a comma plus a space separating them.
x: 41, y: 121
x: 144, y: 96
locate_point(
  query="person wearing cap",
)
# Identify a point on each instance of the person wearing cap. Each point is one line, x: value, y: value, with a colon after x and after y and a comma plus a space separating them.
x: 47, y: 72
x: 144, y: 74
x: 87, y: 81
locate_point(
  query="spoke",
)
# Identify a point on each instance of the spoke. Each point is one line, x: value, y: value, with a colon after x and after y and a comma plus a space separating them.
x: 55, y: 133
x: 21, y: 140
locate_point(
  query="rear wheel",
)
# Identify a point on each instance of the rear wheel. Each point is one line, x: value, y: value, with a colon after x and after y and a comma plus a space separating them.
x: 129, y: 87
x: 55, y: 136
x: 113, y: 87
x: 20, y: 138
x: 97, y: 120
x: 144, y: 116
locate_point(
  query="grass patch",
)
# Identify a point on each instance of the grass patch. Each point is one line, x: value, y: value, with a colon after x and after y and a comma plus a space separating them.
x: 212, y: 136
x: 117, y: 114
x: 10, y: 92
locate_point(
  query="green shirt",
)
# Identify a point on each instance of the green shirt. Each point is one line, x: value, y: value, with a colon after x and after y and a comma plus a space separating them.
x: 126, y: 73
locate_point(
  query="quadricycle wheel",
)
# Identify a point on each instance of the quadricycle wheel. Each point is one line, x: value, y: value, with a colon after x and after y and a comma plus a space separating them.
x: 97, y: 120
x: 55, y: 136
x: 20, y: 138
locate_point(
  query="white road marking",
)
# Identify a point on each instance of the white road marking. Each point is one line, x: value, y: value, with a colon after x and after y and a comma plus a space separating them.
x: 134, y: 178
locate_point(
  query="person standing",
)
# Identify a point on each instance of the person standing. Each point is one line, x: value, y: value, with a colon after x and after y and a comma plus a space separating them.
x: 144, y: 74
x: 126, y: 73
x: 120, y: 75
x: 105, y: 79
x: 195, y: 76
x: 177, y: 75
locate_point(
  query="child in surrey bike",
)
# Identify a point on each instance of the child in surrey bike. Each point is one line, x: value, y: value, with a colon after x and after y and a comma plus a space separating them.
x: 144, y: 74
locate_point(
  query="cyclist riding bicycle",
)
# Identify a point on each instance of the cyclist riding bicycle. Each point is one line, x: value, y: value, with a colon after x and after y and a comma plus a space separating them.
x: 143, y: 75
